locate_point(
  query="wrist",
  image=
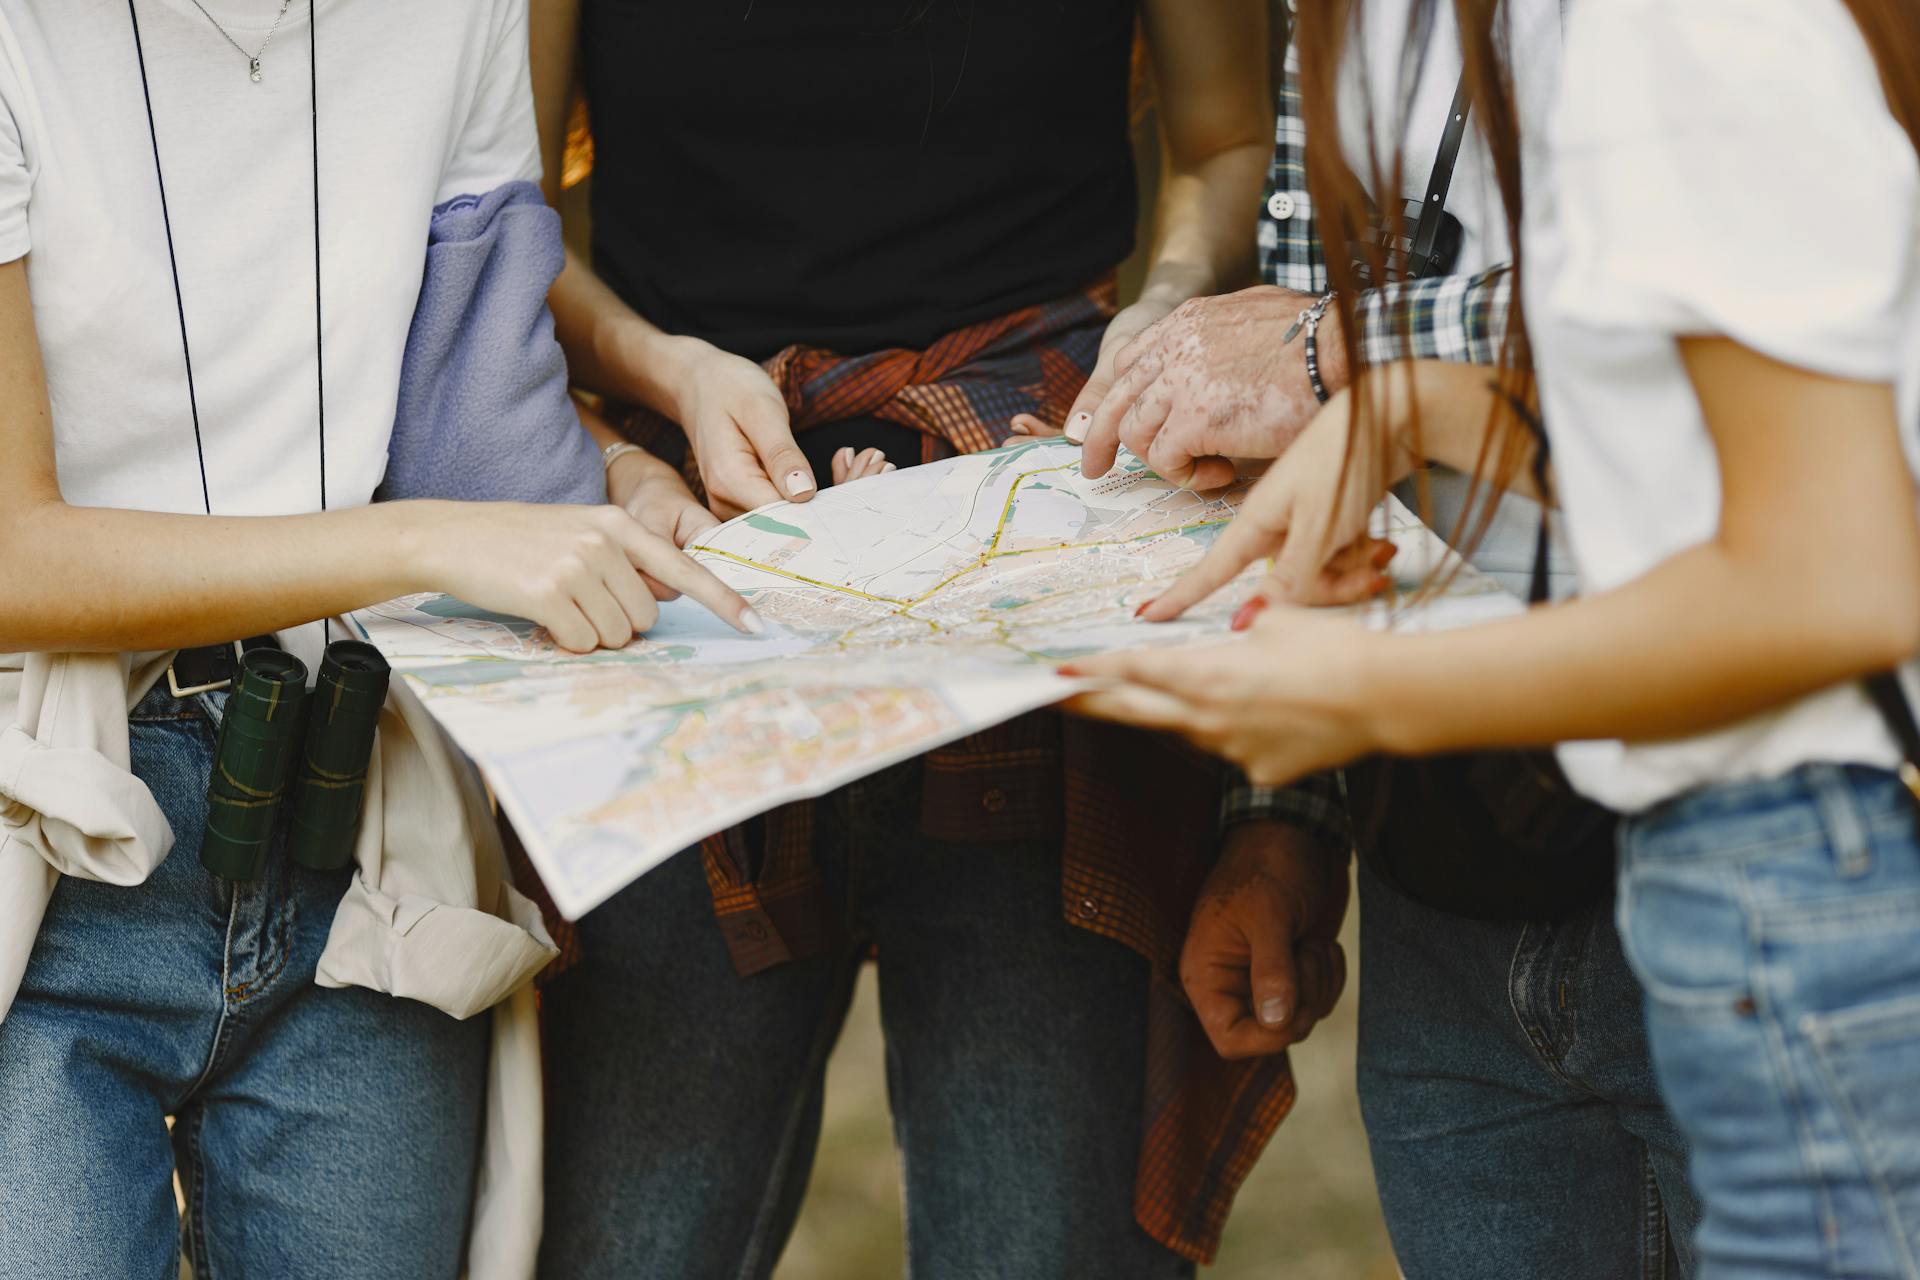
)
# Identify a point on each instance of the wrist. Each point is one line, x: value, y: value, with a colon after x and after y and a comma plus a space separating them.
x: 1456, y: 402
x: 1171, y: 283
x: 683, y: 365
x: 1389, y: 721
x: 1394, y: 392
x: 652, y: 368
x: 1274, y: 831
x: 1331, y: 349
x: 419, y: 537
x: 627, y: 471
x: 1364, y: 686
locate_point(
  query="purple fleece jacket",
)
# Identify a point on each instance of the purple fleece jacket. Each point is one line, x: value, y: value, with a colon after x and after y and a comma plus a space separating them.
x: 484, y: 413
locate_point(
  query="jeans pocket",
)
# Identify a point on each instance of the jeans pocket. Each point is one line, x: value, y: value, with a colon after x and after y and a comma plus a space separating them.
x: 1684, y: 933
x: 1869, y: 1060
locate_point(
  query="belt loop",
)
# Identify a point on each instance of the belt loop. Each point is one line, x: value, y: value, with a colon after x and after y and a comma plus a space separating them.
x: 1839, y: 808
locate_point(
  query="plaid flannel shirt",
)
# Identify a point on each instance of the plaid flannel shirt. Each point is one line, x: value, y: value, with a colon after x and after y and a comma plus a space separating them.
x: 1461, y: 318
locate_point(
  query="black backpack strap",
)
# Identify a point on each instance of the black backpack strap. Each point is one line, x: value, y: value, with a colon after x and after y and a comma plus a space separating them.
x: 1891, y: 701
x: 1539, y: 587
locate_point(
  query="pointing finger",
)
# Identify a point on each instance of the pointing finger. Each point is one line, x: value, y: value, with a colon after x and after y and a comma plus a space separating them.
x: 1255, y: 532
x: 1102, y: 430
x: 631, y: 592
x: 661, y: 560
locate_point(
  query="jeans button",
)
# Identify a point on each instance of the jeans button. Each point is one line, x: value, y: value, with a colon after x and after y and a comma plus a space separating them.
x: 1089, y: 908
x: 993, y: 800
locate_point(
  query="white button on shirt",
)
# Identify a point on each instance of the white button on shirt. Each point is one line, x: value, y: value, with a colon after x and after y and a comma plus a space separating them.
x: 1280, y: 206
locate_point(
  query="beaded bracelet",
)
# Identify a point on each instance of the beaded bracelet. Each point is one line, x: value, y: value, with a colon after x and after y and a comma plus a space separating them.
x: 1311, y: 318
x: 1313, y: 368
x: 1310, y: 321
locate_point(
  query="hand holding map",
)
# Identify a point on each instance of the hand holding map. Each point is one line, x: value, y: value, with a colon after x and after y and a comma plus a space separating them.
x: 904, y: 611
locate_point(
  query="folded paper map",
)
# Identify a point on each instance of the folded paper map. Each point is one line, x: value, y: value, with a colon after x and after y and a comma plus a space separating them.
x: 904, y: 611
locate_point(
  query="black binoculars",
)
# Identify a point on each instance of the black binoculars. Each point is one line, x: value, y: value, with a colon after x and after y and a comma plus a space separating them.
x: 277, y: 736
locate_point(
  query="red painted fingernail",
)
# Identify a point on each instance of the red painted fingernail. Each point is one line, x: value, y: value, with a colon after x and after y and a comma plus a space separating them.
x: 1248, y: 612
x: 1071, y: 673
x: 1383, y: 554
x: 1144, y: 606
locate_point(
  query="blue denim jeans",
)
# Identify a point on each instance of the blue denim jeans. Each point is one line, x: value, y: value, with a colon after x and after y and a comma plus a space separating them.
x: 684, y: 1100
x: 1776, y: 928
x: 1516, y: 1130
x: 316, y: 1132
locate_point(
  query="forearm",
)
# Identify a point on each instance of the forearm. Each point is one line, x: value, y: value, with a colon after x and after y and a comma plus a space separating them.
x: 599, y: 332
x: 1812, y: 578
x: 103, y: 580
x: 611, y: 348
x: 553, y: 28
x: 1216, y: 122
x: 1707, y: 638
x: 1203, y: 230
x: 597, y: 427
x: 1440, y: 411
x: 633, y: 467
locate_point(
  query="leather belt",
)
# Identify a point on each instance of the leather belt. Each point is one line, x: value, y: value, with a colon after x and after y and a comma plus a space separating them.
x: 211, y: 667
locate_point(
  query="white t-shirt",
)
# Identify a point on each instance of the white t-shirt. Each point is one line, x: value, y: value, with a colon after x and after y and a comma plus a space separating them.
x: 417, y: 102
x: 1370, y: 85
x: 1718, y: 167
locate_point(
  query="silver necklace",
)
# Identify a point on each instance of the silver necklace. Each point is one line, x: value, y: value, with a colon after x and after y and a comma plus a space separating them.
x: 253, y: 59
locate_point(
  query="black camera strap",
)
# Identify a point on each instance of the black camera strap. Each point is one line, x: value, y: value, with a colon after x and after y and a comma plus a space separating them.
x: 1425, y: 239
x: 1426, y: 230
x: 173, y: 262
x: 1891, y: 701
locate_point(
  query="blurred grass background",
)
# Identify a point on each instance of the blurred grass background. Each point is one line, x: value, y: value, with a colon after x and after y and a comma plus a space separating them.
x: 1307, y: 1213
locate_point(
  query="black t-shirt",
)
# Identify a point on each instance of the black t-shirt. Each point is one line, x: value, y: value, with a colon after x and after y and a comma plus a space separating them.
x: 855, y: 174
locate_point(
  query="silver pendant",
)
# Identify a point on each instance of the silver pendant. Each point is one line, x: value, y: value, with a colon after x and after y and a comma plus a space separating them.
x: 254, y: 73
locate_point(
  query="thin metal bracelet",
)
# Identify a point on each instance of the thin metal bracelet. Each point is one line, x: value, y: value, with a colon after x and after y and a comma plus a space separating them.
x: 619, y: 449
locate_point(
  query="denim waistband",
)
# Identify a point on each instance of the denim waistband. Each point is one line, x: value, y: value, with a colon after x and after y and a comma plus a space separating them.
x: 159, y: 704
x: 1837, y: 803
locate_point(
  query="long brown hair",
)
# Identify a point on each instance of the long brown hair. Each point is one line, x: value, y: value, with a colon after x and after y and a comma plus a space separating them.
x: 1324, y: 31
x: 1892, y: 32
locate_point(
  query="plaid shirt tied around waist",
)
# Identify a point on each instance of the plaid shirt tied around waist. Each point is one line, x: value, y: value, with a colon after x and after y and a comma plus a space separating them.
x: 1136, y: 815
x: 960, y: 394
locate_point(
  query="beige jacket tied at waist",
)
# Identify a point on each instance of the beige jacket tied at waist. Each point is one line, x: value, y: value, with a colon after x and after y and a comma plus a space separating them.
x: 428, y: 916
